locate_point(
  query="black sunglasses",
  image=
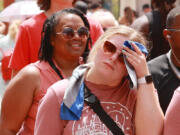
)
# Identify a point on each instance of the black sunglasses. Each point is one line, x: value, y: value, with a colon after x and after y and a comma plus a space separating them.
x: 69, y: 33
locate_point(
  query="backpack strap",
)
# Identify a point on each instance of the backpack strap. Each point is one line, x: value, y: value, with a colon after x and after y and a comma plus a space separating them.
x: 95, y: 104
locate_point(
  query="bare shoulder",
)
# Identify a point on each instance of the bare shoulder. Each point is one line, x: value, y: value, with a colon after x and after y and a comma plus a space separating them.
x: 29, y: 72
x: 18, y: 98
x: 27, y: 78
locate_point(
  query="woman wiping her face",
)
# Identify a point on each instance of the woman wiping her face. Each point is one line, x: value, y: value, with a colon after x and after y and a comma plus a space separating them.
x: 70, y: 106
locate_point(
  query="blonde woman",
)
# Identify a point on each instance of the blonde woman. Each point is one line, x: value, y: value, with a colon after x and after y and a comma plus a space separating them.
x: 66, y: 108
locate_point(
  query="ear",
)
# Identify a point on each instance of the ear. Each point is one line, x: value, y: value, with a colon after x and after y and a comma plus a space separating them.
x: 167, y: 34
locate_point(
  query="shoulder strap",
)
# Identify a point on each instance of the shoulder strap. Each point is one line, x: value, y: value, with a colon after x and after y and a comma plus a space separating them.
x: 94, y: 104
x: 51, y: 63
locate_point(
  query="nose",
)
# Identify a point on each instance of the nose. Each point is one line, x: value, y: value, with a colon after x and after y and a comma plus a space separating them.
x: 76, y: 35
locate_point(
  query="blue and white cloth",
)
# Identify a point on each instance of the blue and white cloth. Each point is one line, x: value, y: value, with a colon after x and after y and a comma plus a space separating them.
x: 130, y: 69
x: 73, y: 101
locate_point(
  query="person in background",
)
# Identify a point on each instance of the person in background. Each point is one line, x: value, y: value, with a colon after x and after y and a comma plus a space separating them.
x: 29, y: 36
x: 105, y: 18
x: 2, y: 29
x: 82, y: 6
x: 65, y: 38
x: 136, y: 14
x: 128, y: 17
x: 95, y: 27
x: 64, y: 111
x: 8, y: 41
x: 146, y: 8
x: 152, y: 25
x: 165, y: 69
x: 93, y: 5
x: 6, y: 49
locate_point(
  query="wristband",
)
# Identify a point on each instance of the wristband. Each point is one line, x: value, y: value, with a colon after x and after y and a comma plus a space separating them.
x: 145, y: 80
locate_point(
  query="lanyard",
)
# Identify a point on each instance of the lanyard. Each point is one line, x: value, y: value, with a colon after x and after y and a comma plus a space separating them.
x: 51, y: 63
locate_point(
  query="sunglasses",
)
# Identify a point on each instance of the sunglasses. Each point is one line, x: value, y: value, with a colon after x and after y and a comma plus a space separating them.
x: 69, y: 33
x: 110, y: 49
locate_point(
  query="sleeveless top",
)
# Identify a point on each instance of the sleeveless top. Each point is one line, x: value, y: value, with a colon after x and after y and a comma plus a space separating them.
x: 47, y: 77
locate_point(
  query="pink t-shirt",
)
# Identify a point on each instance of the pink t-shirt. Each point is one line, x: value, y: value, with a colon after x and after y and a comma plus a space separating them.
x: 119, y: 103
x: 47, y: 77
x: 172, y: 116
x: 29, y: 40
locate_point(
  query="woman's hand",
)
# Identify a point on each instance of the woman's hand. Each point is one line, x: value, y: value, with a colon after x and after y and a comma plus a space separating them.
x: 148, y: 109
x: 137, y: 59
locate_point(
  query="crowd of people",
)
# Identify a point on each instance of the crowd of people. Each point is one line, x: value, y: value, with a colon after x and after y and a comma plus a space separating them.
x: 75, y: 69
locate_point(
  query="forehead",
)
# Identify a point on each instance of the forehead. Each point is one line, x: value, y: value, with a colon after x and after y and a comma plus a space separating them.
x: 71, y: 20
x: 117, y: 39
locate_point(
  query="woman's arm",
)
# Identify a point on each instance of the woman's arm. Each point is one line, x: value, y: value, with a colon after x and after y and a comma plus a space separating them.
x: 17, y: 100
x: 149, y: 117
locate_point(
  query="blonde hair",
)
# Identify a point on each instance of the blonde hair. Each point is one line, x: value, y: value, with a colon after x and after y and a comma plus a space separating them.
x: 123, y: 30
x: 13, y: 29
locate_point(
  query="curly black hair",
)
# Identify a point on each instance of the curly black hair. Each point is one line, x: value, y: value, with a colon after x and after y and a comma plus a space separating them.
x: 46, y: 49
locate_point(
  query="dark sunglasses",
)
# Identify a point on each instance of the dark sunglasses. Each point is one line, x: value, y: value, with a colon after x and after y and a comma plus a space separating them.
x: 110, y: 48
x: 69, y: 33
